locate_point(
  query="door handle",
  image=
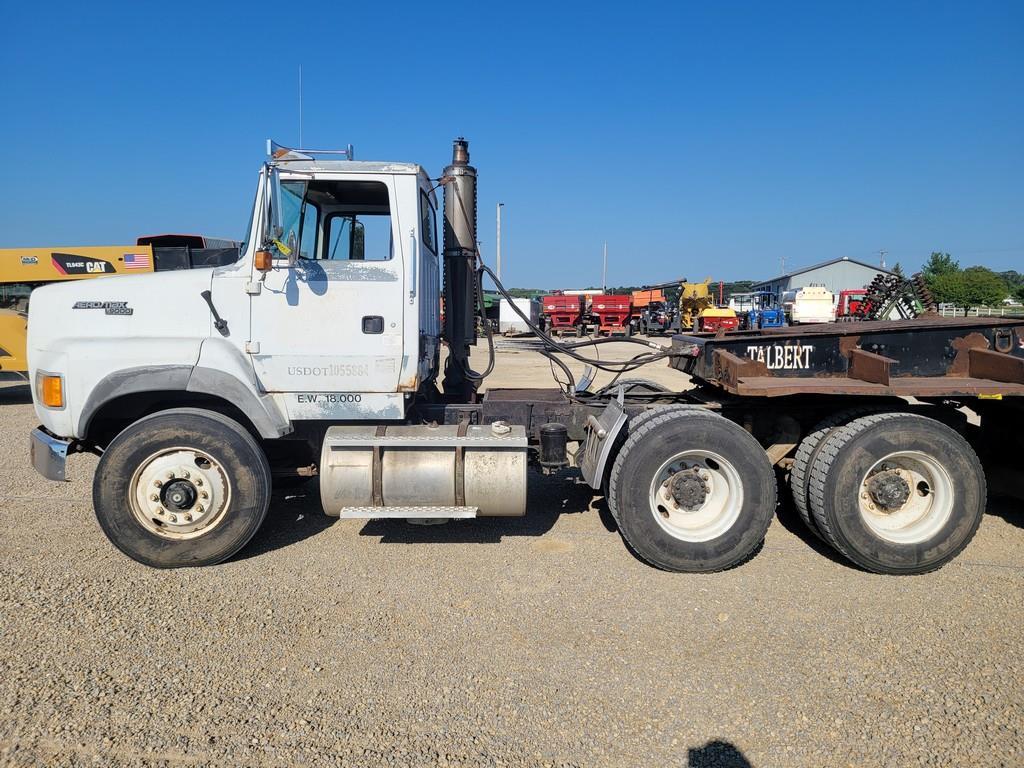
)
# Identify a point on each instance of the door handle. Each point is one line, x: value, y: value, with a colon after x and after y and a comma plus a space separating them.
x: 412, y: 257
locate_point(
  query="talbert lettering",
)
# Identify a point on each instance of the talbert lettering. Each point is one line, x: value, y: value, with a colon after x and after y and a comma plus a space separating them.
x: 782, y: 356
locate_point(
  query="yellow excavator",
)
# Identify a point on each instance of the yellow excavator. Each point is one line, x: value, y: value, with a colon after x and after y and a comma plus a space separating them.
x: 24, y: 269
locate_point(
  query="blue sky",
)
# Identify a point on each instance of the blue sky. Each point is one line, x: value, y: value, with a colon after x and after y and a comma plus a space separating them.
x: 695, y: 138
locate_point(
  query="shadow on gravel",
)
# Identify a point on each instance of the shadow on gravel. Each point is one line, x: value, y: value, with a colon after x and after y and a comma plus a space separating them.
x: 548, y: 497
x: 15, y: 393
x: 1007, y: 507
x: 716, y: 754
x: 294, y: 516
x: 790, y: 520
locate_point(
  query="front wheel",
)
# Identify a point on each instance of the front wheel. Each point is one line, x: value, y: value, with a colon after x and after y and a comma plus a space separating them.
x: 183, y: 487
x: 692, y: 491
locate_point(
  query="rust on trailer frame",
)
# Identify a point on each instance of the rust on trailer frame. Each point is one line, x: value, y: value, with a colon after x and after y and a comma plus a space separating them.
x: 923, y: 357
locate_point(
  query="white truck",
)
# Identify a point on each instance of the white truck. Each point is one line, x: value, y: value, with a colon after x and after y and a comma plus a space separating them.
x: 810, y: 304
x: 318, y: 353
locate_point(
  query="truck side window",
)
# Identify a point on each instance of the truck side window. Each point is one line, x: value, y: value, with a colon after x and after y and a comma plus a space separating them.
x: 428, y: 222
x: 356, y: 220
x: 359, y: 237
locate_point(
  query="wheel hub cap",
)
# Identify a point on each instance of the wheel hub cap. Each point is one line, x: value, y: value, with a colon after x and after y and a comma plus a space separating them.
x: 180, y: 493
x: 688, y: 489
x: 889, y: 489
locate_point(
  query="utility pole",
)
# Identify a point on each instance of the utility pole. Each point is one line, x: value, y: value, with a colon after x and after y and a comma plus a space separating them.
x: 604, y: 269
x: 881, y: 258
x: 782, y: 264
x: 300, y: 107
x: 500, y: 206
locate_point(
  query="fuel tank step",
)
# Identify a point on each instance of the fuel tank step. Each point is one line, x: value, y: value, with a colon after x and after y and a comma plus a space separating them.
x: 362, y: 513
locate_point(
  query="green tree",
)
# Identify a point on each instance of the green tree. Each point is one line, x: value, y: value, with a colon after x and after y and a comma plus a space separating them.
x: 949, y: 288
x: 939, y: 264
x: 970, y: 287
x: 984, y: 286
x: 897, y: 269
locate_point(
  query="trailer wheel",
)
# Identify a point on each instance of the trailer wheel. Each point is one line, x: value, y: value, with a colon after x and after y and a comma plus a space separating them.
x: 692, y: 491
x: 183, y: 487
x: 897, y: 493
x: 806, y: 451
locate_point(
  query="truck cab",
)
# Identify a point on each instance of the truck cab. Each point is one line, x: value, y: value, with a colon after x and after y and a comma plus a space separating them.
x: 336, y: 319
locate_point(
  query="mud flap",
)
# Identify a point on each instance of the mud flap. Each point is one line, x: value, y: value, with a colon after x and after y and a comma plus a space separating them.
x: 601, y: 433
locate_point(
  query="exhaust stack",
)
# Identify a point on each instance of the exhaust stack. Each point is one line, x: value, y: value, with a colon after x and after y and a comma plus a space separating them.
x: 460, y: 297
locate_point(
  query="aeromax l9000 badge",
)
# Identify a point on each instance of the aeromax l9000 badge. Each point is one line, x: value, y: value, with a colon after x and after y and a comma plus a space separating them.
x: 109, y: 307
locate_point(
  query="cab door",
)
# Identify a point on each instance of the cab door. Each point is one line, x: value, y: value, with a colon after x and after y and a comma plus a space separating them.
x: 329, y: 319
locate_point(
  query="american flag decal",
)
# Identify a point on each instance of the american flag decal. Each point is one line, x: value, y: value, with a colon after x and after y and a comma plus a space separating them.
x: 137, y: 261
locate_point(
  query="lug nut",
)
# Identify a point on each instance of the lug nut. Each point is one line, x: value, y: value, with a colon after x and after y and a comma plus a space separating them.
x: 170, y: 475
x: 200, y: 509
x: 188, y: 518
x: 199, y: 481
x: 204, y: 495
x: 158, y: 483
x: 160, y: 510
x: 173, y: 518
x: 185, y: 474
x: 154, y: 497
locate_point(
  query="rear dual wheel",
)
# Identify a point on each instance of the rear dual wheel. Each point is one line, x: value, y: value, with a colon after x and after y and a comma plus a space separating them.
x: 806, y: 452
x: 692, y: 491
x: 897, y: 493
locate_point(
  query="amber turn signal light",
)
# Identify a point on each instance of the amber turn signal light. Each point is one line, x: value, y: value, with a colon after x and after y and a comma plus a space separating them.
x: 264, y: 261
x: 51, y: 390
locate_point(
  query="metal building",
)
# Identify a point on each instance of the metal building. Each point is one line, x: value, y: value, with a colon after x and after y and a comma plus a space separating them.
x: 836, y: 275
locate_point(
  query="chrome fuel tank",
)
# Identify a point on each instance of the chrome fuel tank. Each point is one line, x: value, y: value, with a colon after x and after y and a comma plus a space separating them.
x: 468, y: 467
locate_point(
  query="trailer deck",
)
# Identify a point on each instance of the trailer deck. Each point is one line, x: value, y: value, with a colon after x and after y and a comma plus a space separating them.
x: 923, y: 357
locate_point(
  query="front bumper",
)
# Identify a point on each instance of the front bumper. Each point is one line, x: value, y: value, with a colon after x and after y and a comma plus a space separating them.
x: 49, y: 454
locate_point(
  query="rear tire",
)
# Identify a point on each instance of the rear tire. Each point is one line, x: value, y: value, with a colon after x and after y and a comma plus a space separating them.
x: 183, y: 487
x: 897, y: 493
x: 806, y: 451
x: 692, y: 491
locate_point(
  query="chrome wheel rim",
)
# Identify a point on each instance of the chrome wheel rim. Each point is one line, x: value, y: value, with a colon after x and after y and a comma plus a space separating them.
x: 180, y: 493
x: 696, y: 496
x: 906, y: 497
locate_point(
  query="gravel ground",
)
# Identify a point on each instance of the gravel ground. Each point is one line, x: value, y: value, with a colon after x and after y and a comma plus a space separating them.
x: 538, y: 641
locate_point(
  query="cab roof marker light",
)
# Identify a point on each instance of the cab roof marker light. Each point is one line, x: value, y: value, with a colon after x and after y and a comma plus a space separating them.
x: 277, y: 151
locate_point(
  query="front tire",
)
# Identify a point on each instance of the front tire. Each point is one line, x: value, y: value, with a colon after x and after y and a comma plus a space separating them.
x: 897, y: 493
x: 183, y: 487
x: 692, y: 491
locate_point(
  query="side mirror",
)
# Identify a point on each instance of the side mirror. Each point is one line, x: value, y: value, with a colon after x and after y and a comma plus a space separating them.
x: 293, y: 250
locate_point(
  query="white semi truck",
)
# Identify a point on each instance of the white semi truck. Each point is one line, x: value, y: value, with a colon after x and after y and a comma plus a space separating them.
x: 318, y: 353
